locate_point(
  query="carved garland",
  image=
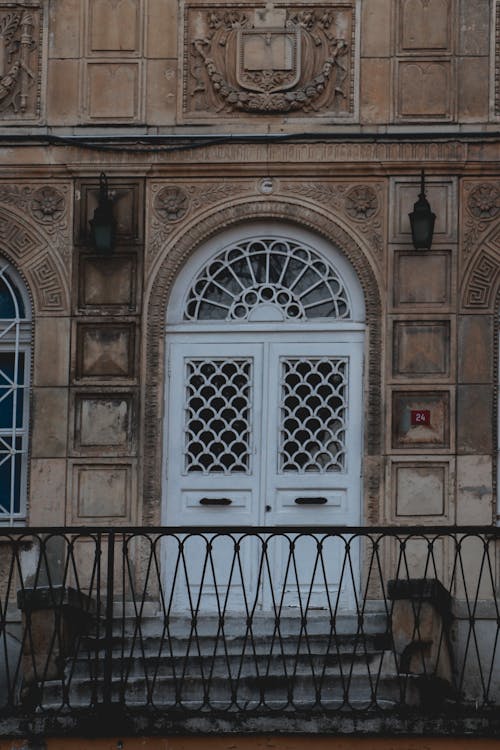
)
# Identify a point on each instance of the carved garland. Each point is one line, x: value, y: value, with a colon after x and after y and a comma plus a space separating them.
x: 172, y: 262
x: 253, y: 65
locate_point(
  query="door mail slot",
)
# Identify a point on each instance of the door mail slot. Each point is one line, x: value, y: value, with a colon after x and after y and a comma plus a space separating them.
x: 311, y: 500
x: 215, y: 501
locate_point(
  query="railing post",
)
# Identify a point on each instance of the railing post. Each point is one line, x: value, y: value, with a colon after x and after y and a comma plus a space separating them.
x: 108, y: 657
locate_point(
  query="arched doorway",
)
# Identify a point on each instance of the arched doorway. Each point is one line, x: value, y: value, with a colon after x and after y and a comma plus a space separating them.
x: 265, y: 333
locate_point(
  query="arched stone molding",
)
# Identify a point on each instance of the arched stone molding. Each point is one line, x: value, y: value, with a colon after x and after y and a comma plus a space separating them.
x: 481, y: 284
x: 169, y: 263
x: 26, y: 246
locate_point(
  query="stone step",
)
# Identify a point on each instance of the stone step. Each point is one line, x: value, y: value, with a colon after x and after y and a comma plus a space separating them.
x: 228, y: 665
x: 316, y: 622
x: 352, y: 690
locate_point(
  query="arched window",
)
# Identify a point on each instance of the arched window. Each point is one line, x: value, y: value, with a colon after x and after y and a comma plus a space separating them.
x: 15, y: 351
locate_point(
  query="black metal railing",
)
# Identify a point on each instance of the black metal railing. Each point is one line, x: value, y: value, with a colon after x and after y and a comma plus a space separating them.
x: 249, y: 620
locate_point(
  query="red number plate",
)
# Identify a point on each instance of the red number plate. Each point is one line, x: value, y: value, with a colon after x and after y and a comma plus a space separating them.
x: 420, y: 417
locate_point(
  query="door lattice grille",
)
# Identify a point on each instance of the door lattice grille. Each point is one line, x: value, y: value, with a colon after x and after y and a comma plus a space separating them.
x: 313, y: 415
x: 218, y: 415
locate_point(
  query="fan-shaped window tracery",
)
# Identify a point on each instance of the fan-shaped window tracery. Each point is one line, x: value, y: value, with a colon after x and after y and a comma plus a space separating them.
x: 267, y: 279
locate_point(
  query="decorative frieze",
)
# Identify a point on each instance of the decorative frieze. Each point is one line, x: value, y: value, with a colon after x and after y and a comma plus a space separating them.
x: 240, y: 59
x: 20, y: 55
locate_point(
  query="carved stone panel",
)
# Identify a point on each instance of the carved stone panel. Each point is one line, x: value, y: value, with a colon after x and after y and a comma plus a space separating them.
x: 425, y: 25
x: 20, y: 60
x: 105, y: 350
x: 242, y: 60
x: 421, y: 349
x: 126, y: 196
x: 103, y: 423
x: 114, y: 26
x: 112, y: 91
x: 420, y: 488
x: 109, y: 283
x: 420, y: 420
x: 422, y: 278
x: 102, y: 491
x: 425, y: 89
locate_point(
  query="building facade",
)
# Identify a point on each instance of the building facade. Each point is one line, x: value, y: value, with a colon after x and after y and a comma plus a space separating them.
x: 263, y: 346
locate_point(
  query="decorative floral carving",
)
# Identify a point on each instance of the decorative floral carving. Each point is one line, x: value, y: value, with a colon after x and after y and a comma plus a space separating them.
x: 483, y: 205
x: 484, y: 201
x: 47, y: 205
x: 171, y: 203
x: 19, y: 31
x: 361, y: 203
x: 171, y: 199
x: 249, y: 60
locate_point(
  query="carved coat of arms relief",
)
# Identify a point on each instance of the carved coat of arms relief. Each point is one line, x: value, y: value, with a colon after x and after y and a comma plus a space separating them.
x: 20, y: 29
x: 268, y: 60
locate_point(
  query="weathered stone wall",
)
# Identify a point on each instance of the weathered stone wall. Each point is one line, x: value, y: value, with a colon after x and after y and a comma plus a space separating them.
x: 386, y: 70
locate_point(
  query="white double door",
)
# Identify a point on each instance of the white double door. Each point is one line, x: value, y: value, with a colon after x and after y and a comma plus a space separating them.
x: 263, y: 430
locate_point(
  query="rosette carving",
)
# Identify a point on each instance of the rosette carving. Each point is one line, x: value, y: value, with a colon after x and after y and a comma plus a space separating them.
x: 361, y: 203
x: 483, y: 206
x: 171, y: 203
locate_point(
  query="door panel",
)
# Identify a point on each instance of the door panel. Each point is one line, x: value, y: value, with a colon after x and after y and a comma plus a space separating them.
x: 263, y: 433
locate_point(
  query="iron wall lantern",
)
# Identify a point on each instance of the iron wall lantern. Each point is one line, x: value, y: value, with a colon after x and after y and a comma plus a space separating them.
x: 103, y: 223
x: 422, y: 220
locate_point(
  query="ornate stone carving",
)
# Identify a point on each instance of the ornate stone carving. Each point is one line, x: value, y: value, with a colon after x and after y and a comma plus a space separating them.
x: 48, y: 206
x: 20, y: 43
x: 48, y: 283
x: 244, y: 59
x: 484, y: 201
x: 171, y: 203
x: 31, y: 251
x: 326, y: 153
x: 481, y: 283
x: 359, y: 202
x: 483, y: 206
x: 165, y: 273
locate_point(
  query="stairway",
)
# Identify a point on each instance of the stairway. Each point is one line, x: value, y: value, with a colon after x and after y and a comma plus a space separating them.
x: 209, y: 665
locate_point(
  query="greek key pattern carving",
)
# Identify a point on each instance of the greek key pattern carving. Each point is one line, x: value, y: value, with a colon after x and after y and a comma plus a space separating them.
x: 481, y: 285
x: 20, y: 242
x: 47, y: 283
x: 33, y: 254
x: 20, y: 52
x: 171, y: 203
x: 242, y: 59
x: 46, y: 205
x: 359, y: 203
